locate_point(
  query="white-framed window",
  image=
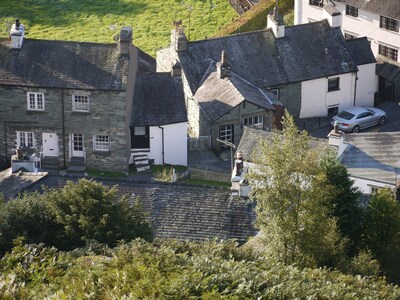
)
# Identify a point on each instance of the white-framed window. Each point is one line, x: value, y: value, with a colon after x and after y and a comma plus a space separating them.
x: 226, y: 134
x: 254, y: 120
x: 275, y: 92
x: 101, y: 142
x: 389, y: 24
x: 388, y: 52
x: 80, y: 103
x: 349, y: 36
x: 351, y: 11
x: 35, y: 101
x: 25, y: 139
x: 333, y: 84
x: 319, y: 3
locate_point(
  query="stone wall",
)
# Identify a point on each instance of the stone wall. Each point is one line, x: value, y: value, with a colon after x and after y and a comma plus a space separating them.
x: 106, y: 116
x: 290, y: 96
x: 235, y: 117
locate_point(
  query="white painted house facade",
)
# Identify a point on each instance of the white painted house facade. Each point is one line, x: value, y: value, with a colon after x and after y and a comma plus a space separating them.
x: 375, y: 19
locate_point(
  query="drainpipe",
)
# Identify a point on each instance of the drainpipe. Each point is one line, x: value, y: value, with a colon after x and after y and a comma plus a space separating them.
x: 63, y: 127
x: 355, y: 89
x: 162, y: 142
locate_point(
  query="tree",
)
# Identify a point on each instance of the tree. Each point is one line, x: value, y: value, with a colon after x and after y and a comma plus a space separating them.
x: 381, y: 232
x: 293, y: 200
x: 345, y: 201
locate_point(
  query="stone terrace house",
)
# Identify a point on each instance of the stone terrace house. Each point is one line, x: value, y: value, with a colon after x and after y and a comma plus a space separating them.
x: 71, y: 101
x: 158, y: 121
x: 310, y: 68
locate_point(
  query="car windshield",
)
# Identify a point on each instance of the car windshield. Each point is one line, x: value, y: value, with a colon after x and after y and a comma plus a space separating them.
x: 345, y: 115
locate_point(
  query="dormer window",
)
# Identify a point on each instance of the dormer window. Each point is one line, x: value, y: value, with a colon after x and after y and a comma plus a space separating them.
x: 80, y: 103
x: 35, y: 101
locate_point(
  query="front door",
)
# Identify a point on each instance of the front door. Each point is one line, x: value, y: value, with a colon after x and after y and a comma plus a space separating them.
x: 77, y: 146
x: 140, y: 137
x: 50, y: 144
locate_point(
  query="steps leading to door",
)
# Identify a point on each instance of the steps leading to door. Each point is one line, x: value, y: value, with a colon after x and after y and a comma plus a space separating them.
x: 50, y: 164
x: 76, y: 166
x: 140, y: 158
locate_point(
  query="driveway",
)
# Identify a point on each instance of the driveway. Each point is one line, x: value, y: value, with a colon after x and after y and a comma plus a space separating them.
x: 392, y: 110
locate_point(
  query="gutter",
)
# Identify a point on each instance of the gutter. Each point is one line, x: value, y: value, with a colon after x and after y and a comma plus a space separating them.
x: 162, y: 139
x: 355, y: 89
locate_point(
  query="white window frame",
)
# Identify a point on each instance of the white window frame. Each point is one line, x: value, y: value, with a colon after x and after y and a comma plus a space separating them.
x: 351, y: 11
x: 388, y: 51
x: 80, y: 103
x: 226, y: 133
x: 37, y: 102
x: 101, y: 142
x: 26, y: 139
x: 275, y: 92
x: 337, y: 86
x: 389, y: 24
x: 257, y: 120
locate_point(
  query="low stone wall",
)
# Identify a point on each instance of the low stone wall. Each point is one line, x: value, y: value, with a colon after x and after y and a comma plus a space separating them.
x: 203, y: 174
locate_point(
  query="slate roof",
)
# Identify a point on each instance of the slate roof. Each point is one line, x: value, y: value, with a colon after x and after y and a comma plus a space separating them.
x: 373, y: 156
x: 158, y: 100
x: 307, y: 51
x: 217, y: 96
x: 388, y: 8
x: 187, y: 212
x: 388, y: 71
x: 147, y: 63
x: 360, y: 50
x: 63, y: 64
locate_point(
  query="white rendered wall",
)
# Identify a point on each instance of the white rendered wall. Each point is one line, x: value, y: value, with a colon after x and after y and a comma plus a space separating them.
x: 367, y: 85
x: 366, y: 24
x: 315, y: 98
x: 175, y: 144
x: 364, y: 185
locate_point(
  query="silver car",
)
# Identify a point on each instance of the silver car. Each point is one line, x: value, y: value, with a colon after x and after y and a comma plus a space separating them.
x: 355, y: 118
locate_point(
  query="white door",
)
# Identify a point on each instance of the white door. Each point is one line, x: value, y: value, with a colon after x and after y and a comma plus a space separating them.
x: 77, y: 145
x: 50, y: 144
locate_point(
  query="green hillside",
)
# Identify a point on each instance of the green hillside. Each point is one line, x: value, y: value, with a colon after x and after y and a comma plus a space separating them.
x: 100, y: 20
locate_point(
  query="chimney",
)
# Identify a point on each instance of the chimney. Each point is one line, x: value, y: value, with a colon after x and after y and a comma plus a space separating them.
x: 176, y: 69
x: 223, y: 67
x: 333, y: 16
x: 178, y: 38
x: 17, y: 33
x: 275, y: 22
x: 125, y: 40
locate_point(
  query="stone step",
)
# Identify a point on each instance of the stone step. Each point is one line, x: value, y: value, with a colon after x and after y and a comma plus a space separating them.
x: 77, y: 161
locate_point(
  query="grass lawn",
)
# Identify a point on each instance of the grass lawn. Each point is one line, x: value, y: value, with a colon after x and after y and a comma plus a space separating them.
x: 100, y: 20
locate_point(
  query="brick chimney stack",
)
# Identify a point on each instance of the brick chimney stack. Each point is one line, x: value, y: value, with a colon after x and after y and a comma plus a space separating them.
x: 17, y: 33
x: 125, y: 40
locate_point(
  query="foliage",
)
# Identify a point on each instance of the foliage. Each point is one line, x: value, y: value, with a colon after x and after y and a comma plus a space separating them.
x: 173, y: 270
x: 381, y: 232
x: 255, y: 18
x: 364, y: 264
x: 102, y: 173
x: 72, y: 216
x: 346, y: 201
x: 100, y: 20
x: 293, y: 198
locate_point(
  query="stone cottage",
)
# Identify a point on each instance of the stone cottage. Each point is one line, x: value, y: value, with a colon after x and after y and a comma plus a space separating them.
x: 69, y: 101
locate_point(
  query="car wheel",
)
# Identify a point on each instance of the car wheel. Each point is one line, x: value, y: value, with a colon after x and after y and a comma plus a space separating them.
x: 356, y: 129
x: 382, y: 121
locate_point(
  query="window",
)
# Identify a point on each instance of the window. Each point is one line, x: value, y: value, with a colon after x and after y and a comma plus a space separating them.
x: 333, y: 111
x: 333, y: 84
x: 388, y: 52
x: 317, y: 3
x: 80, y: 103
x: 226, y: 134
x: 275, y: 92
x: 254, y: 120
x: 389, y: 24
x: 349, y: 36
x: 351, y: 11
x: 25, y: 139
x: 35, y: 101
x: 101, y: 142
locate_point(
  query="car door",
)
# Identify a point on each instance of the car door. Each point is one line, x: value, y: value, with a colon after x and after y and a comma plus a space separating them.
x: 362, y: 120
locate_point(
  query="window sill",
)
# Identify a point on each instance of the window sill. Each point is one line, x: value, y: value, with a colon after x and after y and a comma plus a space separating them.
x: 334, y: 90
x: 81, y: 112
x: 34, y: 111
x: 388, y: 30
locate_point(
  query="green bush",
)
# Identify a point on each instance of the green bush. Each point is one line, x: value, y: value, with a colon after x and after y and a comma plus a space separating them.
x: 70, y: 217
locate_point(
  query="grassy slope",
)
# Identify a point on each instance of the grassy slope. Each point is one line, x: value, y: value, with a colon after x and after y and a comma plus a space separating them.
x: 100, y: 20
